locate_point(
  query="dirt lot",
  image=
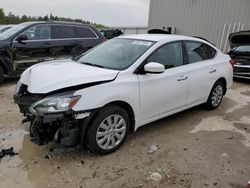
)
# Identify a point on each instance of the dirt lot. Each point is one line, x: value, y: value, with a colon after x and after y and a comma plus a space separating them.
x: 197, y: 148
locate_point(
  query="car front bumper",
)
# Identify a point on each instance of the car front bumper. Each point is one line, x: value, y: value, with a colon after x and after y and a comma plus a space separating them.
x: 66, y: 128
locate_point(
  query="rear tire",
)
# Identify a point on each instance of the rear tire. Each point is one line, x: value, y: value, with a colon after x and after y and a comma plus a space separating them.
x: 108, y: 131
x: 1, y: 75
x: 216, y: 96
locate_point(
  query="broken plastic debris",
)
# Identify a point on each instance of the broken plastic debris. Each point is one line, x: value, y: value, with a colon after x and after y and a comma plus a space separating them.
x: 9, y: 152
x: 155, y: 176
x: 153, y: 148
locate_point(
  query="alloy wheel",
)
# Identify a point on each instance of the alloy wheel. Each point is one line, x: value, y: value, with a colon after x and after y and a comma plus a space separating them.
x: 111, y: 132
x: 217, y: 95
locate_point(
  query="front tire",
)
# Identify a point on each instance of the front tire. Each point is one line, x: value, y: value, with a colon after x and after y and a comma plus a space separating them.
x: 1, y: 75
x: 108, y: 130
x: 216, y: 96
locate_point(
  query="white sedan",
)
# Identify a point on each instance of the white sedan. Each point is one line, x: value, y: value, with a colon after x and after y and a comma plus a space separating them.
x: 118, y: 86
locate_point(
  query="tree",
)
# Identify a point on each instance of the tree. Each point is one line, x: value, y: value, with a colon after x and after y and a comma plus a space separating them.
x: 2, y: 16
x: 24, y: 18
x: 46, y: 18
x: 15, y: 19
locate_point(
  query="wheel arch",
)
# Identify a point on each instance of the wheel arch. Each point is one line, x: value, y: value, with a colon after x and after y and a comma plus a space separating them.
x: 84, y: 125
x: 128, y: 108
x: 224, y: 81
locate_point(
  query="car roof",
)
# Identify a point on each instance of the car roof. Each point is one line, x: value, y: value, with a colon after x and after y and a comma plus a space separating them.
x: 160, y: 37
x: 56, y: 22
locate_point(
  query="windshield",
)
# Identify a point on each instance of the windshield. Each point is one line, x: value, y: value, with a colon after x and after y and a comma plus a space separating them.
x: 243, y: 49
x: 117, y: 54
x: 13, y: 30
x: 4, y: 29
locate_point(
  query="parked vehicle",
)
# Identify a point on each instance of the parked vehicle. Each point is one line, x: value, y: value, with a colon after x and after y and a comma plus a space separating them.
x: 204, y: 39
x: 240, y: 54
x: 160, y: 31
x: 33, y: 42
x: 119, y: 86
x: 111, y: 33
x: 4, y: 28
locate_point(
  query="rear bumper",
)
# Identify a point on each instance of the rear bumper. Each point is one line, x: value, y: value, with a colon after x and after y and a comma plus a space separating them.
x: 242, y: 71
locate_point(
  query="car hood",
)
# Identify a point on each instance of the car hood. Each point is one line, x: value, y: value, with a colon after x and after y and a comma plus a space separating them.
x: 55, y: 75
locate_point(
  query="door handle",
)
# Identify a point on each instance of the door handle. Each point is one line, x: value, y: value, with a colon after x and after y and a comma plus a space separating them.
x: 182, y: 78
x: 213, y: 70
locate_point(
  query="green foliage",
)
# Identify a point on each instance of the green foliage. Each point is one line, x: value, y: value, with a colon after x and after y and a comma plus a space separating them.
x: 15, y: 19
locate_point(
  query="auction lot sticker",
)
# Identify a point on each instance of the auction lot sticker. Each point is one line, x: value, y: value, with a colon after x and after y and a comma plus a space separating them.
x: 143, y: 43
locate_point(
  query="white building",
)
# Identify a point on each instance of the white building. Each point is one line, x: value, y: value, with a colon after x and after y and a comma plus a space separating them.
x: 211, y: 19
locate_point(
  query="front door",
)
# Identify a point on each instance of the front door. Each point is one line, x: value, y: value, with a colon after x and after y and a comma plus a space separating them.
x: 161, y: 94
x: 36, y: 49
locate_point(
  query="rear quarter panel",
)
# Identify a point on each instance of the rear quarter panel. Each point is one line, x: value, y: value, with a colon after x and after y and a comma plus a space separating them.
x: 225, y: 69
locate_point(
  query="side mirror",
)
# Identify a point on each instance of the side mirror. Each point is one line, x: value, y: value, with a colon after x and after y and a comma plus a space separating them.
x: 154, y: 68
x: 22, y: 37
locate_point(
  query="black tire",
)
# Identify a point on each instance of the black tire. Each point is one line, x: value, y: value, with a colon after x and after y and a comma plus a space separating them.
x: 91, y: 140
x: 210, y: 104
x: 1, y: 75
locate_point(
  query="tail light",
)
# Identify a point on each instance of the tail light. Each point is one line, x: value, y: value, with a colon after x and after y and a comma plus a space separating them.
x: 232, y: 62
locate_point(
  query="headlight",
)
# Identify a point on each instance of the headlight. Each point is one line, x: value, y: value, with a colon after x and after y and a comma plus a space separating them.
x: 55, y: 104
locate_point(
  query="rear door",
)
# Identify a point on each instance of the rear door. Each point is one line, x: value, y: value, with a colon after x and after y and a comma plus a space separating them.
x: 86, y: 39
x: 203, y: 71
x: 64, y: 40
x: 164, y: 93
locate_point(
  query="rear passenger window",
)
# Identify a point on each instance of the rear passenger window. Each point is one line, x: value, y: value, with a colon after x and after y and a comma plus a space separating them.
x: 199, y: 52
x: 62, y: 32
x: 170, y: 55
x: 84, y: 32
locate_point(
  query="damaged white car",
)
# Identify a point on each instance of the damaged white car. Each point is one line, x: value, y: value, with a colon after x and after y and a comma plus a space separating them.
x: 119, y: 86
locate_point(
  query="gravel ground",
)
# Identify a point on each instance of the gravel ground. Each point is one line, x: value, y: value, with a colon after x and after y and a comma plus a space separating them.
x: 195, y: 148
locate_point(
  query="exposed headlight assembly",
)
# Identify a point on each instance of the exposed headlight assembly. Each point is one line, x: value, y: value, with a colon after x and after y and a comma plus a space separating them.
x: 55, y: 104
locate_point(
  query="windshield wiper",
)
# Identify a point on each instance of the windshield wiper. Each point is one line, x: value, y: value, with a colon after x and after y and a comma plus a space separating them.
x: 93, y: 65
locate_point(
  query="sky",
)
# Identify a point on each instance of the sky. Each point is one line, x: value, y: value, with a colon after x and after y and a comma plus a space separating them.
x: 106, y: 12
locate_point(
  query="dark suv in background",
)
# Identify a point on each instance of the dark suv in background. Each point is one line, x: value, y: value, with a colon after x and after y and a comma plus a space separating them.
x: 33, y: 42
x: 111, y: 33
x: 240, y: 54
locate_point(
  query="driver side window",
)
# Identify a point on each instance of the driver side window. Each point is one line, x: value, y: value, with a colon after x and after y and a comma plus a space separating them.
x: 39, y: 32
x: 169, y: 55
